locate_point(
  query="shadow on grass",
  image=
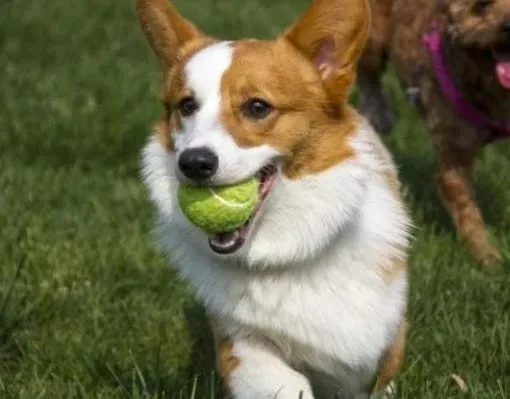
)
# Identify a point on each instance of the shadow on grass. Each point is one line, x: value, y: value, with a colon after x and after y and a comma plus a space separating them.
x: 10, y: 346
x: 200, y: 374
x: 150, y: 381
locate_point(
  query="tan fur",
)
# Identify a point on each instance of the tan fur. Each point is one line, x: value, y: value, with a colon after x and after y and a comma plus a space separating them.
x: 333, y: 36
x: 468, y: 39
x: 226, y: 362
x: 300, y: 126
x: 392, y: 361
x: 165, y: 30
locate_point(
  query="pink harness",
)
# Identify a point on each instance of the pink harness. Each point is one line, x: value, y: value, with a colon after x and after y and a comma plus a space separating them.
x: 432, y: 41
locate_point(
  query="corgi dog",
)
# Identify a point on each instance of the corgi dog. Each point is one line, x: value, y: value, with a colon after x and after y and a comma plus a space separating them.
x: 308, y: 299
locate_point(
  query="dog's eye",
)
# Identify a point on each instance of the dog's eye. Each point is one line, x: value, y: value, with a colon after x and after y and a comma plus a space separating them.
x: 256, y: 108
x: 188, y: 106
x: 481, y: 5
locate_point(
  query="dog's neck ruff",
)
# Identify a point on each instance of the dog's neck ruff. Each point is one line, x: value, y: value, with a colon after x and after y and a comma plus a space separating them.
x: 432, y: 42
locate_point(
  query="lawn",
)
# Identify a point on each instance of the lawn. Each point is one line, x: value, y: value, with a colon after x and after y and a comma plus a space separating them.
x: 88, y: 308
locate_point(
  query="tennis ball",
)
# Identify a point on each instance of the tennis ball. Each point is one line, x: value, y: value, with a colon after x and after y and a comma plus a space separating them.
x: 219, y: 209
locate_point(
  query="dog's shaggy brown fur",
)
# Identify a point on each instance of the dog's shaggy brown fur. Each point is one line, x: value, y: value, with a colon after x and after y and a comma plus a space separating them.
x: 474, y: 34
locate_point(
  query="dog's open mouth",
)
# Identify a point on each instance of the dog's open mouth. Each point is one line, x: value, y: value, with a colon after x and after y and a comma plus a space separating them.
x: 501, y: 57
x: 227, y: 243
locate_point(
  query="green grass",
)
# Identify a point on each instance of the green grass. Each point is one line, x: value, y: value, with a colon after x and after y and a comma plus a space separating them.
x: 88, y: 309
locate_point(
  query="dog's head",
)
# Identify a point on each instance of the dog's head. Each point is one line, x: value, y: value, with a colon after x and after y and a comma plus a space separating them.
x: 483, y: 25
x: 275, y: 109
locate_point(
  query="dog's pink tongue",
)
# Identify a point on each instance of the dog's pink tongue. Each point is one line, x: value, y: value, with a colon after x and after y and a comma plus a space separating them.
x: 503, y: 73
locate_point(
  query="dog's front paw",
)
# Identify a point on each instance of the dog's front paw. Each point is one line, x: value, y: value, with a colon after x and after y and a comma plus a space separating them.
x: 259, y: 384
x: 260, y: 373
x: 293, y: 390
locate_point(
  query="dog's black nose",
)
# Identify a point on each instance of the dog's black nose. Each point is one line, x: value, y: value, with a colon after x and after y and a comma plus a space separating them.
x: 505, y: 27
x: 198, y: 163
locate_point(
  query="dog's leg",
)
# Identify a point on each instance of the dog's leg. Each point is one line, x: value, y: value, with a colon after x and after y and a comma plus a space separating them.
x: 262, y: 374
x: 374, y: 104
x: 251, y: 369
x: 455, y: 187
x: 390, y: 365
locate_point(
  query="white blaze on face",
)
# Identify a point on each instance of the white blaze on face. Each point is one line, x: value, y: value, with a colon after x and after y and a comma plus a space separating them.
x: 203, y: 73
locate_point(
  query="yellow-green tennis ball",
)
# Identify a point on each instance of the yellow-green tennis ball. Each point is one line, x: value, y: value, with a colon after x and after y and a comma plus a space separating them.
x: 220, y: 209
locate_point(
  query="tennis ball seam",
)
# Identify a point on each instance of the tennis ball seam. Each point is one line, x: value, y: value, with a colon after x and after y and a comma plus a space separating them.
x: 230, y: 203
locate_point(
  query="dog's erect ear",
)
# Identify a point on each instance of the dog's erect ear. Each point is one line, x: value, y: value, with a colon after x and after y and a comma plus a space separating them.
x: 164, y: 28
x: 332, y: 34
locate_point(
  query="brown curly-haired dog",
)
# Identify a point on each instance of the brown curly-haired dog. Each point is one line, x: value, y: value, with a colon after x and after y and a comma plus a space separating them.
x: 475, y: 46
